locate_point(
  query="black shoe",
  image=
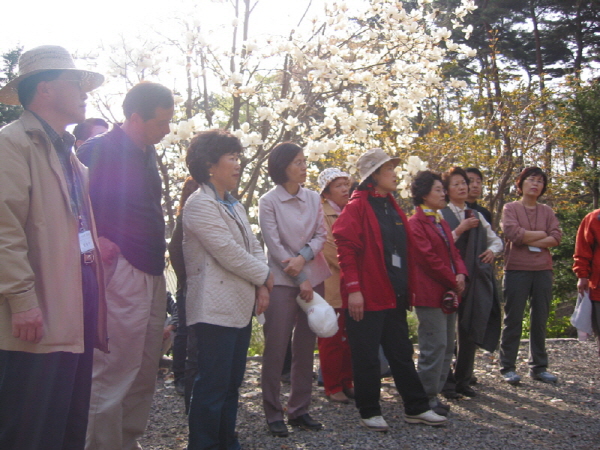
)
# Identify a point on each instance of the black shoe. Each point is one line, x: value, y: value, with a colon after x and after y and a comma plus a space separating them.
x: 440, y: 411
x: 466, y: 391
x: 451, y: 395
x: 305, y: 422
x: 443, y: 405
x: 278, y: 428
x: 180, y: 387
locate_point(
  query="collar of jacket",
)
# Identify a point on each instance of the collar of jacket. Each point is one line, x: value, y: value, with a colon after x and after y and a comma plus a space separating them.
x: 328, y: 210
x: 285, y: 196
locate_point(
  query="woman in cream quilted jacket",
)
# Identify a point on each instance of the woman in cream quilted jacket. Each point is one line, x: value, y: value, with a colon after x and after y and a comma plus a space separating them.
x: 227, y: 278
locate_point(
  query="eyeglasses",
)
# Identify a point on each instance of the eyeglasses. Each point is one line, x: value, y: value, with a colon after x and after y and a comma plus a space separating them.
x: 299, y: 163
x: 535, y: 180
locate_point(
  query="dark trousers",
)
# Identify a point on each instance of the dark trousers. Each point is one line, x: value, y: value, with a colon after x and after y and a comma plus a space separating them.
x: 389, y: 329
x: 181, y: 336
x: 45, y: 397
x: 221, y: 366
x: 191, y: 367
x: 520, y: 286
x: 596, y: 322
x: 465, y: 355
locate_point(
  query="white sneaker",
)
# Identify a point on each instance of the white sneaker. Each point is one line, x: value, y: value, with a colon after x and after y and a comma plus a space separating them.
x: 375, y: 423
x: 428, y: 418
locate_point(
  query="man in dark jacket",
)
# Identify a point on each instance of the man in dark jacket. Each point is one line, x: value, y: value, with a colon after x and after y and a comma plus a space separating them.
x: 126, y: 193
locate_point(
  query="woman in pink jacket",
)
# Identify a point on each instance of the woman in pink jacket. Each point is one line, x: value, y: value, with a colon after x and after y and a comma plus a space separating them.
x: 291, y: 222
x: 530, y: 229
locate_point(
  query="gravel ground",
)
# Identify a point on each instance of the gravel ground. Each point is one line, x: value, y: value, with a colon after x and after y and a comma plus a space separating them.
x: 533, y: 414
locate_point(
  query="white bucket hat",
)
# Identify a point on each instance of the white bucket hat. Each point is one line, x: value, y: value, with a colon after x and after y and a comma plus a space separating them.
x: 42, y: 59
x: 327, y: 176
x: 372, y: 160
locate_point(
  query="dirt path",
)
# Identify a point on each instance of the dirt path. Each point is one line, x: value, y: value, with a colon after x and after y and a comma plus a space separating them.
x: 532, y: 415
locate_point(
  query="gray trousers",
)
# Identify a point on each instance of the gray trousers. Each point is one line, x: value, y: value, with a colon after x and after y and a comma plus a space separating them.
x: 520, y: 286
x: 436, y: 347
x: 285, y: 319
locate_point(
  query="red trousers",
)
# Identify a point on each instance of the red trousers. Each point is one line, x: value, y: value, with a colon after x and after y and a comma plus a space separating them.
x: 336, y: 363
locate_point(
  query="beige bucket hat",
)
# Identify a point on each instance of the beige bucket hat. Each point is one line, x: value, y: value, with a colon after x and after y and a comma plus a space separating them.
x: 372, y: 160
x: 41, y: 59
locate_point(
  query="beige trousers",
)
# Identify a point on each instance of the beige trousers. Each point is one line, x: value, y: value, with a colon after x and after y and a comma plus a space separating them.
x: 123, y: 380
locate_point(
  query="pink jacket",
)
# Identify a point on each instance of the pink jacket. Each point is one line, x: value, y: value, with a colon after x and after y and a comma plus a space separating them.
x: 288, y: 223
x: 517, y: 255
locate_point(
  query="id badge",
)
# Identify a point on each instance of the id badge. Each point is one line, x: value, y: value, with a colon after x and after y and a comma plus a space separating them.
x: 396, y: 261
x: 86, y: 243
x: 534, y: 249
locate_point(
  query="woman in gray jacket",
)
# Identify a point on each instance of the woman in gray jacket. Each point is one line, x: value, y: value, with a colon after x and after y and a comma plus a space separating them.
x: 227, y: 278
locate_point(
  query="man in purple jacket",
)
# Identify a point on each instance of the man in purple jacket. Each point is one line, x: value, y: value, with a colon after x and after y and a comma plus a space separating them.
x: 126, y: 189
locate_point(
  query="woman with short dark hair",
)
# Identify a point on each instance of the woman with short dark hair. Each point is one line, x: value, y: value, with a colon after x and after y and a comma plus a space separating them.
x: 479, y: 314
x: 440, y: 279
x: 530, y: 229
x: 291, y: 222
x: 227, y: 277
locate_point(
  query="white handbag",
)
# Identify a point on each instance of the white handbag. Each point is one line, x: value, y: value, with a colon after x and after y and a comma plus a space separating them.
x: 582, y: 316
x: 322, y: 318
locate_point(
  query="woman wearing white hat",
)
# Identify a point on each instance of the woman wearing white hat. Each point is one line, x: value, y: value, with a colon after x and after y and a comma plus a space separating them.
x: 334, y: 351
x: 375, y: 251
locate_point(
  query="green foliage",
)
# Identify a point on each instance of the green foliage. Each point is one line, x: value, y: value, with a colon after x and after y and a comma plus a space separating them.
x: 559, y: 325
x: 413, y: 327
x: 257, y: 339
x: 9, y: 113
x: 569, y: 215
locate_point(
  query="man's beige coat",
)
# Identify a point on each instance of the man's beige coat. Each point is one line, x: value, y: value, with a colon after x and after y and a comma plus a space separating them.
x: 40, y: 261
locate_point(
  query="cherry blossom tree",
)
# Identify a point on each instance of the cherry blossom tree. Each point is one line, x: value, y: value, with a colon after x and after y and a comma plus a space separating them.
x: 350, y: 79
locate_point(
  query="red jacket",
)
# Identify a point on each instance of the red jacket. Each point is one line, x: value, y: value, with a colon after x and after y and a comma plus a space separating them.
x: 434, y: 273
x: 360, y: 253
x: 587, y: 252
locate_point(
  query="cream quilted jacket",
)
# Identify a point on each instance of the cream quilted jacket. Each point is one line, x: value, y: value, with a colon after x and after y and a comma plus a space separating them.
x: 224, y: 262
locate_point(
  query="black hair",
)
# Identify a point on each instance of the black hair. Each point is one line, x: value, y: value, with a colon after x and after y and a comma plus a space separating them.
x: 474, y: 170
x: 83, y: 130
x: 531, y: 172
x: 145, y: 97
x: 280, y: 158
x: 422, y: 184
x: 28, y: 87
x: 189, y: 187
x: 206, y: 148
x: 368, y: 183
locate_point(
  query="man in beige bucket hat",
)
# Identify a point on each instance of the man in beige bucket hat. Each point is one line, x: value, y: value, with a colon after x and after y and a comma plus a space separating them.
x: 52, y: 309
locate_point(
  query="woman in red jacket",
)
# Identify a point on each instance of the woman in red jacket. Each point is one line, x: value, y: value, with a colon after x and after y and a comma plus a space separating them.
x: 587, y: 264
x: 376, y: 255
x: 439, y: 269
